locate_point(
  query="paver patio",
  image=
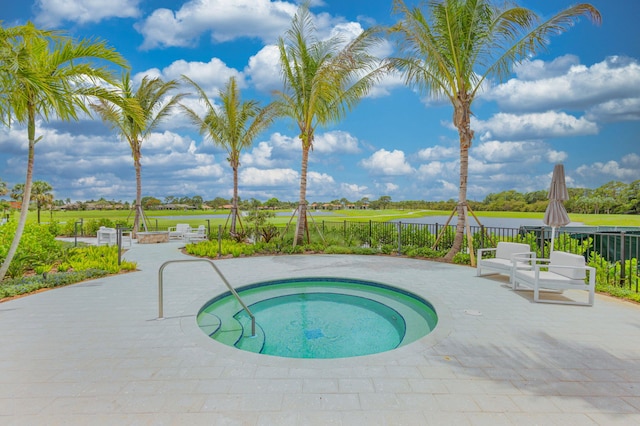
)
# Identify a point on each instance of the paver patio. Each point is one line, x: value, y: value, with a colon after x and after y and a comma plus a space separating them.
x: 95, y: 353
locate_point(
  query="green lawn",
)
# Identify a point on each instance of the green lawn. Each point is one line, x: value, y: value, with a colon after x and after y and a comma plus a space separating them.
x: 163, y: 218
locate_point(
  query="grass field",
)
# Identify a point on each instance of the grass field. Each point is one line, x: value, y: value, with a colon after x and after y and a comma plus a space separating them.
x: 162, y: 219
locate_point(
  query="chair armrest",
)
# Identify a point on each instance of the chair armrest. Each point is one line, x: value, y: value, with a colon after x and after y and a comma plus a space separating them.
x: 528, y: 258
x: 485, y: 250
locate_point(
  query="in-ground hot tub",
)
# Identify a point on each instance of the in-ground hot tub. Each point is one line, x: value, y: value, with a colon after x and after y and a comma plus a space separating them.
x: 153, y: 237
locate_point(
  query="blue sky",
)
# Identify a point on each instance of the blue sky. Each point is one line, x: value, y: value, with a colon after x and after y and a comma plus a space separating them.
x: 578, y: 103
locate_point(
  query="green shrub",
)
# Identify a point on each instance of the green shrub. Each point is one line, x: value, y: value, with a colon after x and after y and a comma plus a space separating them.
x: 97, y: 257
x: 38, y: 246
x: 462, y: 259
x: 25, y: 285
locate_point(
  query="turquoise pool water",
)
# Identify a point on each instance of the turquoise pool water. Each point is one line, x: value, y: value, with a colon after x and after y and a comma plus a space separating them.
x: 318, y: 318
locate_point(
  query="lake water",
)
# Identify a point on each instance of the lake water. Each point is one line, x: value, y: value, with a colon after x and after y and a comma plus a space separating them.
x: 493, y: 222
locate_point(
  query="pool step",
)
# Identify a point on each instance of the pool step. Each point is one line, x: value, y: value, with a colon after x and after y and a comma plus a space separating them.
x: 247, y: 342
x: 209, y: 323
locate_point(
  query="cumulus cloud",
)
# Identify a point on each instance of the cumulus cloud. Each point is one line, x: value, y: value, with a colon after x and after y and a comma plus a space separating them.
x: 336, y: 142
x: 211, y: 76
x: 224, y: 20
x: 353, y: 191
x: 438, y: 153
x: 320, y: 179
x: 390, y: 163
x: 519, y: 152
x: 625, y: 170
x: 531, y: 70
x: 550, y: 124
x: 264, y: 69
x: 436, y: 169
x: 252, y: 176
x: 51, y: 13
x: 564, y: 83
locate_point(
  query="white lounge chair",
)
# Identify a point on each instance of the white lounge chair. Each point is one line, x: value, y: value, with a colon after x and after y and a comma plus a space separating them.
x: 178, y: 232
x: 502, y: 263
x: 562, y: 271
x: 199, y: 234
x: 106, y: 236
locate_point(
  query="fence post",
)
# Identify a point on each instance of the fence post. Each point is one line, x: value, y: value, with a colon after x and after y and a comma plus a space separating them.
x: 436, y: 234
x: 119, y: 243
x: 370, y: 233
x: 219, y: 240
x: 399, y: 238
x: 481, y: 236
x: 622, y: 260
x: 344, y: 231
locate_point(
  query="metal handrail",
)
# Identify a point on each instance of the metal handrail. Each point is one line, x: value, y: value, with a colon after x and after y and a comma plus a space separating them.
x: 231, y: 289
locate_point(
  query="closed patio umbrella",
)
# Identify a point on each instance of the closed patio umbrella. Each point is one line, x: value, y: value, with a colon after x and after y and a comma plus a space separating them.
x: 556, y: 215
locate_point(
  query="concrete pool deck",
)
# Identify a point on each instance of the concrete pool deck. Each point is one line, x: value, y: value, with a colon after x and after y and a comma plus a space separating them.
x: 95, y: 353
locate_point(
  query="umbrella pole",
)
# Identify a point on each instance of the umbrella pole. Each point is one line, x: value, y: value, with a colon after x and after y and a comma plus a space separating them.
x: 553, y: 237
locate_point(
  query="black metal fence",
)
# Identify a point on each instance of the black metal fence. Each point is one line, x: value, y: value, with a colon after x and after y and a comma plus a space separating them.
x: 614, y: 254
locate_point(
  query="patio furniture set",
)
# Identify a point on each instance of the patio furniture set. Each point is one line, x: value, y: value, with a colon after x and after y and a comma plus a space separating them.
x: 184, y: 232
x: 561, y: 271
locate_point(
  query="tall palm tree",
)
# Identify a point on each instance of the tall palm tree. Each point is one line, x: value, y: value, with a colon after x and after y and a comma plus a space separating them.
x: 45, y: 74
x: 460, y: 45
x: 233, y: 127
x: 135, y: 114
x: 323, y: 80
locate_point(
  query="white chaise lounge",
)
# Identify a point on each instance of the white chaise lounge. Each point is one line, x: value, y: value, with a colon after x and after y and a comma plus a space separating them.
x: 562, y: 271
x: 178, y: 232
x: 502, y: 263
x: 200, y: 234
x: 106, y: 236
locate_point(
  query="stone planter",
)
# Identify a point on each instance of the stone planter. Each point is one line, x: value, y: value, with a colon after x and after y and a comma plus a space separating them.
x: 153, y: 237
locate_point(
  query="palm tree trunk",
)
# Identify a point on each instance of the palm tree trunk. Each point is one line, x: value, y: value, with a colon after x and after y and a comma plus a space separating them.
x: 234, y: 202
x: 136, y: 220
x: 26, y: 196
x: 302, y: 202
x: 462, y: 120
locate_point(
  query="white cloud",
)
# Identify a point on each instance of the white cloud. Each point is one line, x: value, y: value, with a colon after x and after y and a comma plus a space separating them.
x: 51, y: 13
x: 579, y: 87
x: 390, y: 163
x: 252, y: 176
x: 616, y: 110
x: 625, y: 170
x: 537, y: 69
x: 264, y: 69
x: 224, y: 19
x: 336, y: 142
x: 435, y: 169
x: 534, y: 126
x: 211, y: 76
x: 438, y: 153
x: 519, y: 152
x: 320, y: 179
x: 353, y: 191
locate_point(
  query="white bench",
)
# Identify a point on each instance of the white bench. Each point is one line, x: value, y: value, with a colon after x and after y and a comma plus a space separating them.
x: 502, y: 263
x: 562, y: 271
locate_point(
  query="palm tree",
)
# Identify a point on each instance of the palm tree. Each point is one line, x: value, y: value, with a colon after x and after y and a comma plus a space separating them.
x: 135, y: 114
x: 45, y: 74
x: 323, y: 80
x: 461, y: 46
x: 40, y: 192
x: 233, y: 127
